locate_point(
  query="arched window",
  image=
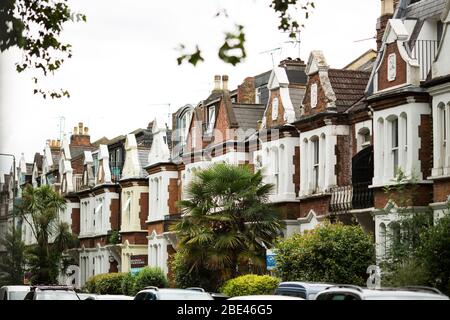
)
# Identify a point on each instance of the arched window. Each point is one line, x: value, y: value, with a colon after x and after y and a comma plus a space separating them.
x: 395, y: 232
x: 394, y: 144
x: 379, y: 148
x: 363, y: 138
x: 315, y: 163
x: 275, y: 169
x: 382, y: 240
x: 404, y: 136
x: 442, y: 122
x: 322, y: 161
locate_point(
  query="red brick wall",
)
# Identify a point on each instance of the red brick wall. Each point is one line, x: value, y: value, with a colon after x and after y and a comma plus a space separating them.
x: 246, y: 91
x: 322, y: 100
x: 426, y: 145
x: 343, y: 168
x: 158, y: 227
x: 114, y: 219
x: 382, y: 22
x: 75, y: 221
x: 135, y: 238
x: 441, y: 190
x: 143, y: 212
x: 173, y: 196
x: 78, y: 165
x: 280, y: 120
x: 288, y: 210
x: 221, y: 124
x: 319, y: 204
x: 400, y: 78
x: 296, y: 177
x: 80, y: 140
x: 418, y: 195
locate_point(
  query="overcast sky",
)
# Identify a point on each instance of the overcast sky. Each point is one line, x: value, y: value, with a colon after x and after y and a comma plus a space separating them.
x: 124, y: 62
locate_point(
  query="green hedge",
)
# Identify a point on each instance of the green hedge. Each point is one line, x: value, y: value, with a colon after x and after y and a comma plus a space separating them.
x: 250, y: 284
x: 333, y: 253
x: 107, y: 283
x: 150, y: 276
x: 127, y: 285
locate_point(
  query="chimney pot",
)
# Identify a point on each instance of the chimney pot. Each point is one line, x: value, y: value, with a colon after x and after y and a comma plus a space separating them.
x: 86, y: 131
x: 225, y: 82
x: 80, y: 127
x: 75, y: 130
x: 217, y: 82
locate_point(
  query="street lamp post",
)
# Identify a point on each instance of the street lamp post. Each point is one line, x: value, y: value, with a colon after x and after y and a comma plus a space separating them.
x: 14, y: 197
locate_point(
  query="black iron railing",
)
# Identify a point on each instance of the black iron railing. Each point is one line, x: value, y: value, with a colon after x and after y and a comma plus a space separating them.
x: 356, y: 196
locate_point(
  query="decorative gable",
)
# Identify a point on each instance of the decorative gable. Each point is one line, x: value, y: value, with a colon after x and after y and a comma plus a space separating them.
x: 131, y: 167
x: 280, y: 109
x: 159, y: 151
x: 88, y: 170
x: 396, y: 68
x: 103, y: 171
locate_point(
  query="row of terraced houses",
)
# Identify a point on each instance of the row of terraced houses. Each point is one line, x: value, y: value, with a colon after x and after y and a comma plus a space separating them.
x: 329, y: 140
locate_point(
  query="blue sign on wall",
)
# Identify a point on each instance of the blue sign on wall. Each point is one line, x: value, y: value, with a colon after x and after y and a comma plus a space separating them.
x: 270, y: 259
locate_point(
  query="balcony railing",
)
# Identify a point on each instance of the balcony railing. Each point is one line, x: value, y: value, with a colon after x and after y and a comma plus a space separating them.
x: 425, y: 52
x: 77, y: 182
x: 116, y: 170
x: 346, y: 198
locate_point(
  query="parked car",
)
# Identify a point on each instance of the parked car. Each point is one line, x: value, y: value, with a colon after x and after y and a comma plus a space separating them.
x: 13, y: 292
x: 214, y: 295
x: 153, y: 293
x: 109, y: 297
x: 86, y: 296
x: 348, y: 292
x: 51, y: 293
x: 305, y: 290
x: 266, y: 297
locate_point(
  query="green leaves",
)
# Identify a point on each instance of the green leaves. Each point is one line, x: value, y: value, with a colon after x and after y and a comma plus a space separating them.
x: 233, y: 51
x: 227, y: 219
x: 330, y: 253
x: 250, y: 284
x: 35, y: 28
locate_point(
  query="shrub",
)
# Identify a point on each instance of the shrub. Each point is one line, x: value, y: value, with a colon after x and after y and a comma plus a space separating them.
x: 333, y: 253
x: 184, y: 276
x: 250, y: 284
x: 150, y: 276
x: 127, y: 284
x: 107, y: 283
x: 409, y: 272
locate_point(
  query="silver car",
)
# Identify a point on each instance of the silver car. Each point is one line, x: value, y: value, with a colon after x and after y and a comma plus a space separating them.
x: 153, y: 293
x: 348, y: 292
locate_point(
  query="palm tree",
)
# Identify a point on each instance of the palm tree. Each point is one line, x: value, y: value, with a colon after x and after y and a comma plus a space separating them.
x: 227, y: 222
x: 40, y: 209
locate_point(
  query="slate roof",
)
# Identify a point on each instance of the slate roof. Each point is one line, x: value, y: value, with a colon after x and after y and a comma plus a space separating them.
x: 143, y: 160
x: 248, y: 115
x: 76, y: 151
x: 297, y: 76
x: 425, y: 9
x: 38, y: 160
x: 348, y: 86
x: 262, y: 79
x: 360, y: 105
x: 297, y: 95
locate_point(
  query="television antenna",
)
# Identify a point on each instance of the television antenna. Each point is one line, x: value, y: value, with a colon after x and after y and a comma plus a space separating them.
x: 296, y: 42
x: 272, y: 52
x: 371, y: 38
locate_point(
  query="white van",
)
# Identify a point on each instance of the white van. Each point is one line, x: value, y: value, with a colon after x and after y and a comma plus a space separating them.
x: 13, y: 292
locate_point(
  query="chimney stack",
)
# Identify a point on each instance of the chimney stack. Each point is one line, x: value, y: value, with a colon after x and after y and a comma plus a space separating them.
x: 387, y: 11
x: 216, y: 83
x: 225, y: 82
x: 80, y: 136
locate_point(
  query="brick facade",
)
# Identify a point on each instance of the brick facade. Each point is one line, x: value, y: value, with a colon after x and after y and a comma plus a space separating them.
x: 172, y: 189
x: 413, y: 195
x: 280, y: 119
x: 246, y: 91
x: 143, y: 213
x: 319, y: 204
x: 75, y: 216
x: 343, y: 167
x: 426, y: 145
x: 401, y: 74
x: 114, y: 219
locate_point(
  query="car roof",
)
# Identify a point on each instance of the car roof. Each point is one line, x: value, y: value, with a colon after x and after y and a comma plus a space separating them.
x: 265, y: 297
x: 307, y: 285
x: 172, y: 290
x: 113, y: 297
x: 16, y: 288
x: 386, y: 293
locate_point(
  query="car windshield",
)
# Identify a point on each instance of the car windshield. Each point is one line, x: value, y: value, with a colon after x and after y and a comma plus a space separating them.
x: 56, y: 295
x: 17, y: 295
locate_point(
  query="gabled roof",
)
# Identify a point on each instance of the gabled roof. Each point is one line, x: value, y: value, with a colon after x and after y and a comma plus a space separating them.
x: 248, y: 115
x: 425, y: 9
x: 348, y: 86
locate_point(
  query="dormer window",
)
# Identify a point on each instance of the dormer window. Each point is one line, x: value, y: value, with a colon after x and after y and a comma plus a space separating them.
x: 314, y: 95
x: 275, y: 109
x: 211, y: 116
